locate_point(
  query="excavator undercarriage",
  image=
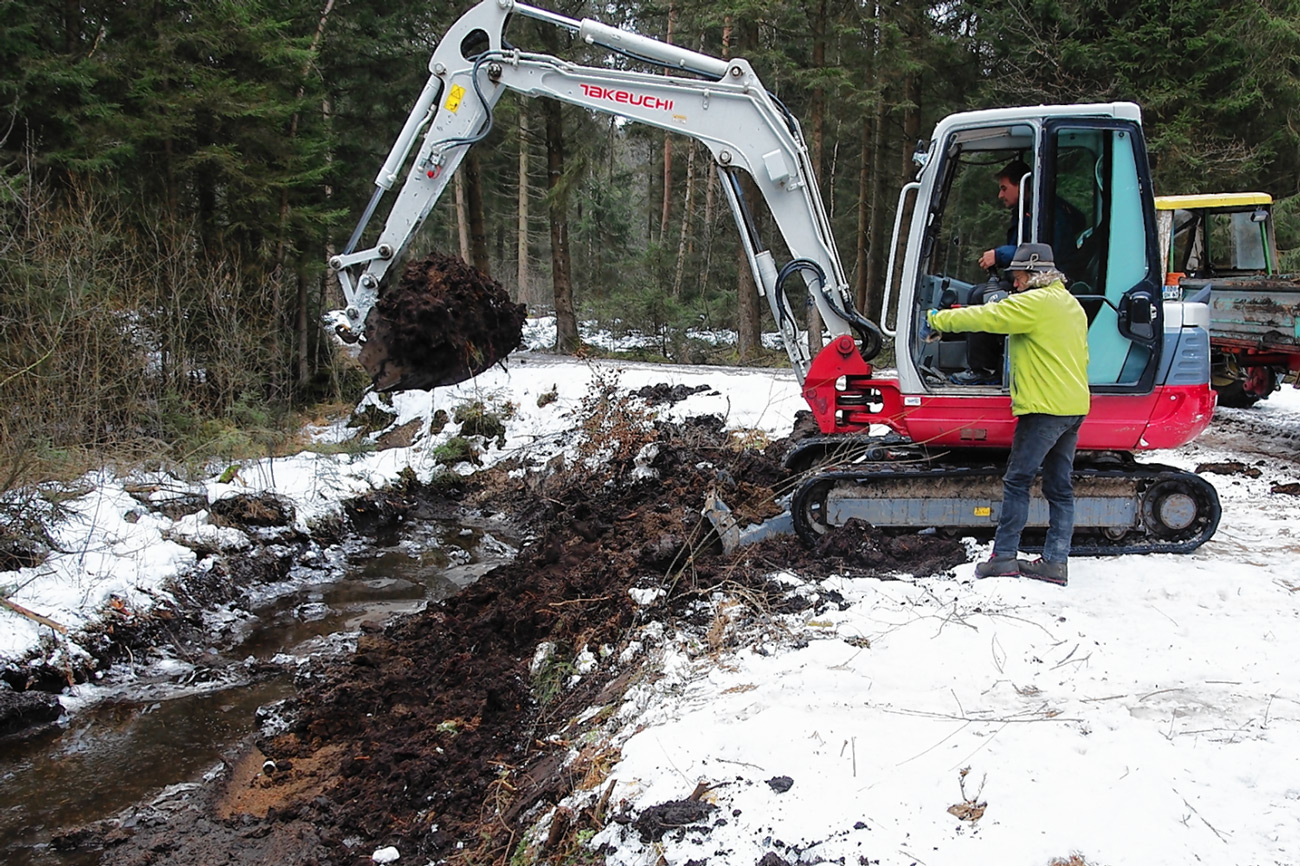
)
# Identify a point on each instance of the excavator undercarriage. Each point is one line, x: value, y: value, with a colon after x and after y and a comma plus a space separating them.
x: 1121, y: 505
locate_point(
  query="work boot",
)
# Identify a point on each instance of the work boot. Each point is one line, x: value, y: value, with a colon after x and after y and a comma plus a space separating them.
x: 998, y: 566
x: 1049, y: 572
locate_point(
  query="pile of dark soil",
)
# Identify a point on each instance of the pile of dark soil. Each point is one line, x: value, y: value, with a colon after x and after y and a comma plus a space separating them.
x: 435, y: 736
x: 444, y: 322
x: 1232, y: 467
x: 664, y: 394
x: 21, y: 711
x: 657, y: 820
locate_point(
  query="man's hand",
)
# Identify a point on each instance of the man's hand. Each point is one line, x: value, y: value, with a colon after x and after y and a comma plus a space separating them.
x: 989, y: 260
x: 928, y: 333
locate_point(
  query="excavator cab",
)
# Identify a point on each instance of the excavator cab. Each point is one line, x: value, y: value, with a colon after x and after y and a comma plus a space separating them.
x: 1084, y: 195
x: 1088, y: 194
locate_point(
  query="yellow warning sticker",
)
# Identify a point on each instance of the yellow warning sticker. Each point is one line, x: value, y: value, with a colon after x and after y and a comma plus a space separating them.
x: 454, y: 97
x: 983, y: 510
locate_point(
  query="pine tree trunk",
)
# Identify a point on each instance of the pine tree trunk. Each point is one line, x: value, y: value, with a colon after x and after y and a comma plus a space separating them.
x: 911, y: 126
x: 687, y: 207
x: 304, y: 367
x: 478, y: 248
x: 566, y: 321
x: 653, y: 178
x: 749, y: 335
x: 330, y: 290
x: 710, y: 203
x: 748, y: 330
x: 869, y: 205
x: 666, y: 208
x: 711, y: 188
x: 300, y: 319
x: 521, y: 228
x: 71, y: 26
x: 818, y: 122
x: 865, y: 205
x: 818, y: 107
x: 462, y: 218
x: 879, y: 243
x: 911, y: 132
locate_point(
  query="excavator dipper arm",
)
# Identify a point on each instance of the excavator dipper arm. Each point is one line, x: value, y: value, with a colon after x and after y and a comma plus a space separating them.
x: 728, y: 110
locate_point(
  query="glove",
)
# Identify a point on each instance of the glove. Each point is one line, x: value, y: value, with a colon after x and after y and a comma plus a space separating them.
x: 928, y: 333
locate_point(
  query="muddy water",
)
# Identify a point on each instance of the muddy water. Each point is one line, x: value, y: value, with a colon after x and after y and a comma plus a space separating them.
x: 113, y: 754
x: 171, y: 722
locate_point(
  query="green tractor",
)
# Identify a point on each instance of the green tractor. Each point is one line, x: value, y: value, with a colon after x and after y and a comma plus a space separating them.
x: 1223, y: 244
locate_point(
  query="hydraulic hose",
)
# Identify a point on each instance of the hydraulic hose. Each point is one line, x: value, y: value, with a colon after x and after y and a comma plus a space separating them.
x: 867, y: 331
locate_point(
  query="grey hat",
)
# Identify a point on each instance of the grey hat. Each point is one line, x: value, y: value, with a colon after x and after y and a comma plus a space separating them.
x: 1032, y: 257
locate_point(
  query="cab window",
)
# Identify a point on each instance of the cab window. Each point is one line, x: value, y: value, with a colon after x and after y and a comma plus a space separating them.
x: 1093, y: 215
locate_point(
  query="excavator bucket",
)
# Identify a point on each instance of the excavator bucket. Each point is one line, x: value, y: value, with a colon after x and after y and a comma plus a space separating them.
x: 444, y: 322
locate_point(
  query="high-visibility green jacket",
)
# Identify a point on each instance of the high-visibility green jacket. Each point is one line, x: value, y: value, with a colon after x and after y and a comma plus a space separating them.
x: 1047, y: 346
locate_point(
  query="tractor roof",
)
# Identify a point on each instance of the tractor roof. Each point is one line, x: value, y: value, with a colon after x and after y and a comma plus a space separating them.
x: 1212, y: 200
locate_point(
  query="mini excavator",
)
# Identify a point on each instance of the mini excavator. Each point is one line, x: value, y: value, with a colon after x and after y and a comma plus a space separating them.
x: 922, y: 449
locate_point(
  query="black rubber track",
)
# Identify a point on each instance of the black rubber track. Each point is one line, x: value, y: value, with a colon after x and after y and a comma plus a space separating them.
x: 1151, y: 482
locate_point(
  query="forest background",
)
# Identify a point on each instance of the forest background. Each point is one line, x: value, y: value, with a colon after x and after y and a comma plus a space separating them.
x: 174, y: 175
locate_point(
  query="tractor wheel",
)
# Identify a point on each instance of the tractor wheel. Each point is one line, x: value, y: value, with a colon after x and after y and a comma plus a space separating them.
x: 1245, y: 386
x: 1244, y: 393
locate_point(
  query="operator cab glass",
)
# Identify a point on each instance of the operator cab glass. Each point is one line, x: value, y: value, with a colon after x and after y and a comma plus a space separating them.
x: 1089, y: 200
x: 965, y: 219
x: 1210, y: 243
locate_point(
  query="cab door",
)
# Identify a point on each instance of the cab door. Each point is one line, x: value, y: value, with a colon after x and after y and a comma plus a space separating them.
x: 1096, y: 208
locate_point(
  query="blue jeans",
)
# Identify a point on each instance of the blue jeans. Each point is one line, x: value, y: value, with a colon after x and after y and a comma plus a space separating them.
x: 1044, y: 442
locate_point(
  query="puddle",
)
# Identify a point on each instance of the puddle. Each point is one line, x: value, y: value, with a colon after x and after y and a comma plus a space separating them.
x: 172, y: 723
x: 112, y: 755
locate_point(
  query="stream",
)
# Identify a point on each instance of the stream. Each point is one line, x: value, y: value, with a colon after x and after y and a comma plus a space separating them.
x: 172, y: 721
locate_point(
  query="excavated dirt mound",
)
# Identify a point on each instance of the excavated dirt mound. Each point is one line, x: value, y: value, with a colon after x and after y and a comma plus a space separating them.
x: 434, y: 736
x: 22, y: 711
x: 444, y: 322
x: 655, y: 821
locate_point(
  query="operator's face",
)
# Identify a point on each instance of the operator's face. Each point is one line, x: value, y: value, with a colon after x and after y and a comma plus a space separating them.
x: 1008, y: 192
x: 1020, y: 280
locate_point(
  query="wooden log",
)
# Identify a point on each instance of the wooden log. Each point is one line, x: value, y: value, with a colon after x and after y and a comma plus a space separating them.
x: 22, y: 611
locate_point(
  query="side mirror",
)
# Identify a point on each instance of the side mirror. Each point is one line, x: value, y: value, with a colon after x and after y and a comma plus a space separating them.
x: 921, y: 154
x: 1137, y: 317
x: 1140, y: 311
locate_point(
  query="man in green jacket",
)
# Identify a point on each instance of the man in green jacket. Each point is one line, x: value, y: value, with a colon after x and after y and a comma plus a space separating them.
x: 1048, y: 354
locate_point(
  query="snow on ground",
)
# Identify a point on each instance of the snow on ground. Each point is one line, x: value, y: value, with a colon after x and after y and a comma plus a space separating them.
x: 1147, y: 713
x: 114, y: 551
x: 540, y: 332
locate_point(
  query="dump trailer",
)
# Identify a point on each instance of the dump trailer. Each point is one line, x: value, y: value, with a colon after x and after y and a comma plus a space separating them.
x: 1220, y: 248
